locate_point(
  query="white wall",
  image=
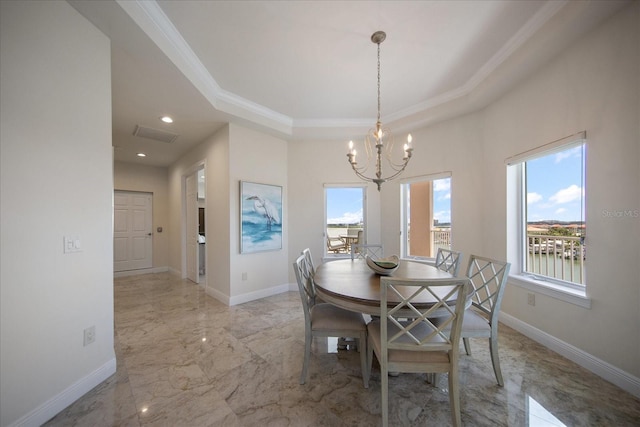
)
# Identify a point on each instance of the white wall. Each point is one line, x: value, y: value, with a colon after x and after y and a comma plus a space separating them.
x: 593, y: 86
x: 214, y: 155
x: 259, y: 158
x: 312, y: 164
x: 149, y: 179
x: 453, y: 146
x: 230, y: 155
x: 56, y: 180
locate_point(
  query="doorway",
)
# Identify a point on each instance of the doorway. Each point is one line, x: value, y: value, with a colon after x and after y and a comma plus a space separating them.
x: 132, y: 231
x: 195, y: 232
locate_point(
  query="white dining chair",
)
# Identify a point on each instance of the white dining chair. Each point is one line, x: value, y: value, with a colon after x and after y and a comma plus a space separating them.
x: 327, y: 320
x: 448, y: 260
x: 488, y: 278
x: 309, y: 260
x: 418, y: 345
x: 361, y: 251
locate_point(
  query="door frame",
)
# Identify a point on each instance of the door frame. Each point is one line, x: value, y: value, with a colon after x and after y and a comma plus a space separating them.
x: 194, y: 168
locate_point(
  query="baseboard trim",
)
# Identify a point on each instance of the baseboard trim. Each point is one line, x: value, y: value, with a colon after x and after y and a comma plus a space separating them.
x: 262, y: 293
x: 141, y: 271
x: 605, y: 370
x: 59, y: 402
x: 214, y: 293
x: 250, y: 296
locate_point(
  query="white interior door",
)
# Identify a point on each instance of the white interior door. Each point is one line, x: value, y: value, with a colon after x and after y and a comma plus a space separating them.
x: 132, y: 231
x: 192, y: 227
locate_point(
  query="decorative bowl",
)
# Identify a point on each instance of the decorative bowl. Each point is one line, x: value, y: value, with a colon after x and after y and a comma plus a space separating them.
x: 383, y: 266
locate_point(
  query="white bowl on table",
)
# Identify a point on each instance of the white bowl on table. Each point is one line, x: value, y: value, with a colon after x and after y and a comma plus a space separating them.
x: 383, y: 266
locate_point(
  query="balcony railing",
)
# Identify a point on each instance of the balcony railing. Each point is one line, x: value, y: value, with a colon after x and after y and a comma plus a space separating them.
x: 559, y: 257
x: 441, y: 239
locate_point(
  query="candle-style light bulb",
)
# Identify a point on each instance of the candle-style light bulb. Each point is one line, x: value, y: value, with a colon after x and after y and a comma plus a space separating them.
x: 350, y: 145
x: 409, y: 139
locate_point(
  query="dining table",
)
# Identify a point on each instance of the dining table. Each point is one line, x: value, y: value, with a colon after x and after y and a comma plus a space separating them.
x: 352, y: 285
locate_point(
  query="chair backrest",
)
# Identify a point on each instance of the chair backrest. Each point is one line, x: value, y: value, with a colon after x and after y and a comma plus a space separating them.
x: 309, y: 260
x: 305, y: 286
x: 415, y: 329
x: 488, y: 278
x: 448, y: 260
x: 362, y: 250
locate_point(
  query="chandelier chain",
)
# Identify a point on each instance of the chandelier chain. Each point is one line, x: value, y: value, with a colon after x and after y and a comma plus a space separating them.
x: 378, y: 82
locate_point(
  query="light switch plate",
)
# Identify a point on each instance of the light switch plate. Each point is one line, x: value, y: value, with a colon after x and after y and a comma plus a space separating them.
x: 72, y: 244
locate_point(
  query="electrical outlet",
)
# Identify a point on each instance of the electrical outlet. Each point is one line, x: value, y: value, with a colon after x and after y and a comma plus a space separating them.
x: 531, y: 299
x: 244, y: 277
x: 89, y: 335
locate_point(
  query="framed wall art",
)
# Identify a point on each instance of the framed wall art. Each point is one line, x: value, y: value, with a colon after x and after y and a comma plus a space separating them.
x: 260, y: 217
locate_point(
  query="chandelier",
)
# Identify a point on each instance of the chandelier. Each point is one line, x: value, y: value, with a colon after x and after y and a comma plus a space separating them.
x: 379, y: 140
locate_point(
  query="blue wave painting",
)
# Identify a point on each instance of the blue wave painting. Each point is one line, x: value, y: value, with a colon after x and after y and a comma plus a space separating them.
x: 261, y: 206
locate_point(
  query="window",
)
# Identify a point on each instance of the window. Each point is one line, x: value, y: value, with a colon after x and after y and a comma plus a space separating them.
x: 550, y: 184
x: 426, y: 215
x: 345, y: 218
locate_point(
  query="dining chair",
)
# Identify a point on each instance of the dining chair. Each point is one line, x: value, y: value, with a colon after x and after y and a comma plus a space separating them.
x: 309, y: 260
x: 448, y: 260
x: 418, y: 345
x: 327, y: 320
x: 488, y: 278
x: 360, y: 251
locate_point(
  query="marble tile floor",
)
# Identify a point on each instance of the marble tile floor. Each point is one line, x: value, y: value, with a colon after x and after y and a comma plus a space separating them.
x: 185, y: 359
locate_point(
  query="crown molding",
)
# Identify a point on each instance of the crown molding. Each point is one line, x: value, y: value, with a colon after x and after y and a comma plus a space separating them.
x: 156, y: 25
x: 152, y: 20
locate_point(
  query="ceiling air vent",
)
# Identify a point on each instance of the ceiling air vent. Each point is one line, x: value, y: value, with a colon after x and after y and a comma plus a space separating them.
x: 158, y: 135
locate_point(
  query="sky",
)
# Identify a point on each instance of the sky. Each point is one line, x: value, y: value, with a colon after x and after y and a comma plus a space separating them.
x: 344, y: 205
x: 555, y: 187
x: 554, y: 192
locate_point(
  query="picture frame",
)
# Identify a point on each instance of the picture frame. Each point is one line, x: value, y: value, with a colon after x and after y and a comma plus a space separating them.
x: 260, y: 217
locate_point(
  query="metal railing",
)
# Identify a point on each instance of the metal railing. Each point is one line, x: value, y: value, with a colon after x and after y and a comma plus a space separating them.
x: 559, y: 257
x: 441, y: 238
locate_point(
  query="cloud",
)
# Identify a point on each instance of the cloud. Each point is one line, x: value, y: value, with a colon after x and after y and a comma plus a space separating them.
x: 347, y: 218
x: 533, y: 198
x: 576, y: 151
x: 560, y: 211
x: 570, y: 194
x: 442, y: 184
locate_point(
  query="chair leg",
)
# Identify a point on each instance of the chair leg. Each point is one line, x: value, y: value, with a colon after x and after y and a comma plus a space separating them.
x: 307, y: 356
x: 467, y: 346
x: 495, y: 359
x: 362, y: 346
x: 384, y: 391
x: 454, y: 397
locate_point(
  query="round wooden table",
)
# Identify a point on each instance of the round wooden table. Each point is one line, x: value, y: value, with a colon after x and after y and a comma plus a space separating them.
x: 352, y: 285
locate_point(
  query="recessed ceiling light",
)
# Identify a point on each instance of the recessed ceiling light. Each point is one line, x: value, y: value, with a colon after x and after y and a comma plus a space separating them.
x: 166, y: 119
x: 141, y: 155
